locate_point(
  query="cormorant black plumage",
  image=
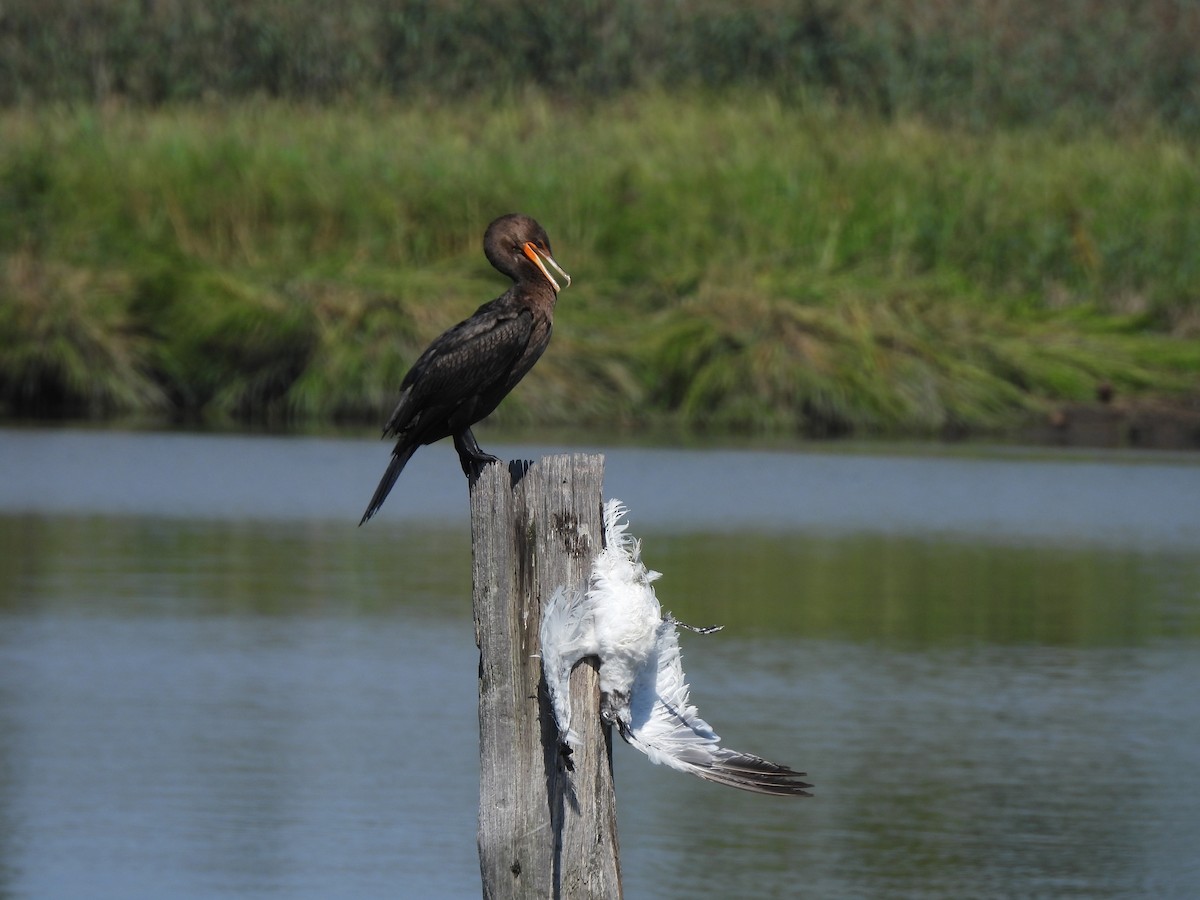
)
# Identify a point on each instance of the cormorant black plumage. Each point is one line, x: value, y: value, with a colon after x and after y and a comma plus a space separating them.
x: 465, y: 373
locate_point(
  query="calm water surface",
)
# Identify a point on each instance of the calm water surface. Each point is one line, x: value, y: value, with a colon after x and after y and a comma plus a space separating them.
x: 212, y: 684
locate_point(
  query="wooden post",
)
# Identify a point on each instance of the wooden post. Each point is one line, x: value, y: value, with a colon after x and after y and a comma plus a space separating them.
x: 543, y: 831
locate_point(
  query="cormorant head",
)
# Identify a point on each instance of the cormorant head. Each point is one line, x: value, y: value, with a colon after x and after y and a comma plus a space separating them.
x: 519, y: 247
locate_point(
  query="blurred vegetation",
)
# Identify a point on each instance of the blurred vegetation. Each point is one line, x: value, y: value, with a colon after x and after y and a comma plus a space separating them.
x: 814, y: 216
x: 1010, y: 62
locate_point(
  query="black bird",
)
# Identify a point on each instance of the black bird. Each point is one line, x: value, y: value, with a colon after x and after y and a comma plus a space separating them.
x: 466, y: 372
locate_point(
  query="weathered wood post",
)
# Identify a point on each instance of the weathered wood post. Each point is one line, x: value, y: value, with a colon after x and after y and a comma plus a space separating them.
x: 543, y: 831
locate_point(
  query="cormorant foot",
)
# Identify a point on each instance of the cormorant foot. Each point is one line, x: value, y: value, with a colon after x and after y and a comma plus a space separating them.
x: 473, y: 465
x: 471, y: 456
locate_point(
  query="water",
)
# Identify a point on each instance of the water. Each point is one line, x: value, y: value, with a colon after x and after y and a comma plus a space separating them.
x: 212, y: 684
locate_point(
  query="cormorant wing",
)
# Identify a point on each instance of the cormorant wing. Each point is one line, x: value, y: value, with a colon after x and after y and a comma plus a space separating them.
x: 467, y: 360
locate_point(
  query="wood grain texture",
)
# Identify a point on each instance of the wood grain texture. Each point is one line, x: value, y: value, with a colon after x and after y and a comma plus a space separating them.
x: 544, y: 830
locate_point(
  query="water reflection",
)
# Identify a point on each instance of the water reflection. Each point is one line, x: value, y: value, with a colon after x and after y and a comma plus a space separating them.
x: 200, y: 754
x: 197, y: 705
x: 918, y: 590
x: 164, y: 566
x: 1009, y: 771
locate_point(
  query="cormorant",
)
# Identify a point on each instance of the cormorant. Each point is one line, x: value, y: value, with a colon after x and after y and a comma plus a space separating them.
x: 465, y: 373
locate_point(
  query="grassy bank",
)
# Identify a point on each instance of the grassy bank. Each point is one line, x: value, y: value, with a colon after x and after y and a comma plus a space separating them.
x: 738, y: 262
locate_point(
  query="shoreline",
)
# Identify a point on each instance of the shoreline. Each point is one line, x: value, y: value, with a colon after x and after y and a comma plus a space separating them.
x: 1136, y: 424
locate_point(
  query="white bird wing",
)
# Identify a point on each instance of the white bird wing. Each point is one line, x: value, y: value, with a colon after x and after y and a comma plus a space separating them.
x: 567, y: 636
x: 643, y: 689
x: 612, y: 620
x: 665, y: 726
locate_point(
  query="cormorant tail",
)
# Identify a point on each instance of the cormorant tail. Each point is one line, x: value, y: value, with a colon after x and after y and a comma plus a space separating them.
x: 400, y: 457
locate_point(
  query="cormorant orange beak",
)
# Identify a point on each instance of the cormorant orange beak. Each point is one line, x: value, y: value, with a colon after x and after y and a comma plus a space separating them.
x: 537, y: 255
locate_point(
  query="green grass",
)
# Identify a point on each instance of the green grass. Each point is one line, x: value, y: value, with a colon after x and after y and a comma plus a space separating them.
x: 739, y: 263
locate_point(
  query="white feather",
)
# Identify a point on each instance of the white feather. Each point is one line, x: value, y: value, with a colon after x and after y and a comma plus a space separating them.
x: 566, y: 637
x: 644, y: 691
x: 665, y: 726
